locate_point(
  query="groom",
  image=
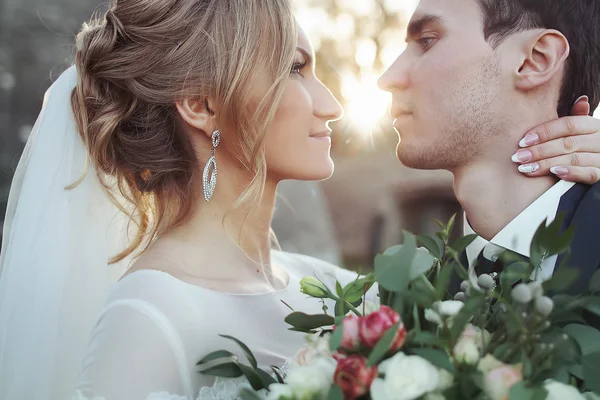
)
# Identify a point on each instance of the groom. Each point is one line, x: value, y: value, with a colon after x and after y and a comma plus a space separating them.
x: 474, y: 76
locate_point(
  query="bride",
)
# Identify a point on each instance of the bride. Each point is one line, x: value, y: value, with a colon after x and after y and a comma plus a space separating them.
x: 125, y: 254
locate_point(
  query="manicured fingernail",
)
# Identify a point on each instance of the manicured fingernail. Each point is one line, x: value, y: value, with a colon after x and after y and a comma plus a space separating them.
x: 530, y: 140
x: 529, y: 168
x: 559, y: 171
x: 522, y: 156
x: 587, y: 99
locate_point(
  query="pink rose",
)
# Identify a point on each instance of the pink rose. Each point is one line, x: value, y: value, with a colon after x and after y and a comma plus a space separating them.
x: 350, y: 337
x: 375, y: 325
x: 354, y: 377
x: 498, y: 381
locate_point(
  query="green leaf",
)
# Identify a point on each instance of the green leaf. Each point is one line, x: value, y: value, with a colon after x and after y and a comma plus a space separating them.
x: 253, y: 378
x: 338, y: 289
x: 247, y: 352
x: 594, y: 306
x: 466, y: 313
x: 430, y: 244
x: 249, y: 394
x: 216, y: 355
x: 461, y: 244
x: 591, y: 371
x: 443, y: 281
x: 335, y: 393
x: 305, y: 321
x: 595, y: 283
x: 383, y: 345
x: 356, y: 290
x: 425, y: 338
x: 521, y: 392
x: 266, y: 378
x: 436, y: 357
x: 335, y: 341
x: 278, y: 374
x: 450, y: 224
x: 562, y: 376
x: 587, y: 337
x: 561, y: 280
x: 224, y: 369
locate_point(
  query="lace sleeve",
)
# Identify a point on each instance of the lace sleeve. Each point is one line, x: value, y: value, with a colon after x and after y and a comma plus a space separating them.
x: 135, y: 353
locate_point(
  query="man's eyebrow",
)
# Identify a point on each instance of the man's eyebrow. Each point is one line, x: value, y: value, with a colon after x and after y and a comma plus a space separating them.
x: 416, y: 26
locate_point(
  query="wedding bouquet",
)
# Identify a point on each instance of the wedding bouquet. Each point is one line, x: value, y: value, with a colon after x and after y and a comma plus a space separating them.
x: 510, y: 339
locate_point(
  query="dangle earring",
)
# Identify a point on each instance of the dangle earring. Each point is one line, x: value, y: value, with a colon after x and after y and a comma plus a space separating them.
x: 209, y: 180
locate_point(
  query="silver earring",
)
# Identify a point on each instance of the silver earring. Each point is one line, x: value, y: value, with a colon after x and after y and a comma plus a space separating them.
x: 209, y: 180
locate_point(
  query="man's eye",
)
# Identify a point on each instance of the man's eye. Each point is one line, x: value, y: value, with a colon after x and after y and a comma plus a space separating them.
x: 426, y: 42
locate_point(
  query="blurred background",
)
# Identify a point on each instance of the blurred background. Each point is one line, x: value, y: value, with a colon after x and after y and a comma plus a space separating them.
x: 346, y: 219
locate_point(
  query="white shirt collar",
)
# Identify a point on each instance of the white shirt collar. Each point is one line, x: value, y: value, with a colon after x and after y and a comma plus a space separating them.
x: 518, y: 234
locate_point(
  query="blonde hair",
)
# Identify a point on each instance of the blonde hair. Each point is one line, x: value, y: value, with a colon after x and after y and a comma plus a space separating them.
x: 144, y: 56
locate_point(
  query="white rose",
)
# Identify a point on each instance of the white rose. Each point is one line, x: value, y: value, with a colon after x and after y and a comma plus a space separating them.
x: 316, y: 347
x: 560, y: 391
x: 406, y: 378
x: 497, y: 382
x: 279, y: 391
x: 310, y: 381
x: 466, y: 351
x: 443, y: 310
x: 446, y: 380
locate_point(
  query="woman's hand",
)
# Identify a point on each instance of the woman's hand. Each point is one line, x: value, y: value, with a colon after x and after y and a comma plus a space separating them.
x: 568, y: 147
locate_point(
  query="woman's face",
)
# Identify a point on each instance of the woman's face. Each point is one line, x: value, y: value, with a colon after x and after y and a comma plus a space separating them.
x: 298, y: 141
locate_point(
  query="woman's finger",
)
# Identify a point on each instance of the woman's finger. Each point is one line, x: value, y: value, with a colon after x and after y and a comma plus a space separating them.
x: 544, y: 167
x: 560, y: 128
x: 587, y: 175
x: 581, y: 106
x: 558, y: 147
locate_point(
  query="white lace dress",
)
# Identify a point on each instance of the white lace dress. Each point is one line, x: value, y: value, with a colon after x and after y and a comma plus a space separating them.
x: 155, y: 328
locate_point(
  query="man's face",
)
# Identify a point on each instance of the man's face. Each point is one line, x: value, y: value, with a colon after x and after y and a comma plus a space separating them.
x: 445, y: 86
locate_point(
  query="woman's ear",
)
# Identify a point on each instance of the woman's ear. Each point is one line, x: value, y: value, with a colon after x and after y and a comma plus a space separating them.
x: 198, y: 113
x: 544, y: 56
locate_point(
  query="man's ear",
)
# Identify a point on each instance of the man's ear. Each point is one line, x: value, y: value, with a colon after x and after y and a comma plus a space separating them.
x: 544, y: 56
x: 198, y: 113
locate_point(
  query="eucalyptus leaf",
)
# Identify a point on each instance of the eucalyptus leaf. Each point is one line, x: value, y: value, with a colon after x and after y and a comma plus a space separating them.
x: 430, y: 244
x: 335, y: 340
x: 225, y: 369
x: 562, y: 280
x: 301, y: 320
x: 266, y: 378
x: 591, y: 371
x: 383, y: 345
x: 392, y: 271
x: 587, y: 337
x: 247, y: 351
x: 460, y: 320
x: 519, y: 391
x: 249, y: 394
x: 594, y: 306
x: 425, y: 338
x: 253, y: 378
x: 278, y: 374
x: 335, y: 393
x: 216, y: 355
x: 595, y: 283
x: 436, y: 357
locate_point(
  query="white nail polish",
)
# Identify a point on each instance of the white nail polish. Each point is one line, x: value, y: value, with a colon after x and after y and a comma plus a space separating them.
x: 522, y: 143
x: 581, y: 98
x: 529, y: 168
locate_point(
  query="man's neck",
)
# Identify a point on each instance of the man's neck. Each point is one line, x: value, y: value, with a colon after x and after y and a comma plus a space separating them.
x: 493, y: 194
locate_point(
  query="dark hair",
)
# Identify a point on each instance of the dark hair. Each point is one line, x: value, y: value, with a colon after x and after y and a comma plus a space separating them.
x: 578, y: 20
